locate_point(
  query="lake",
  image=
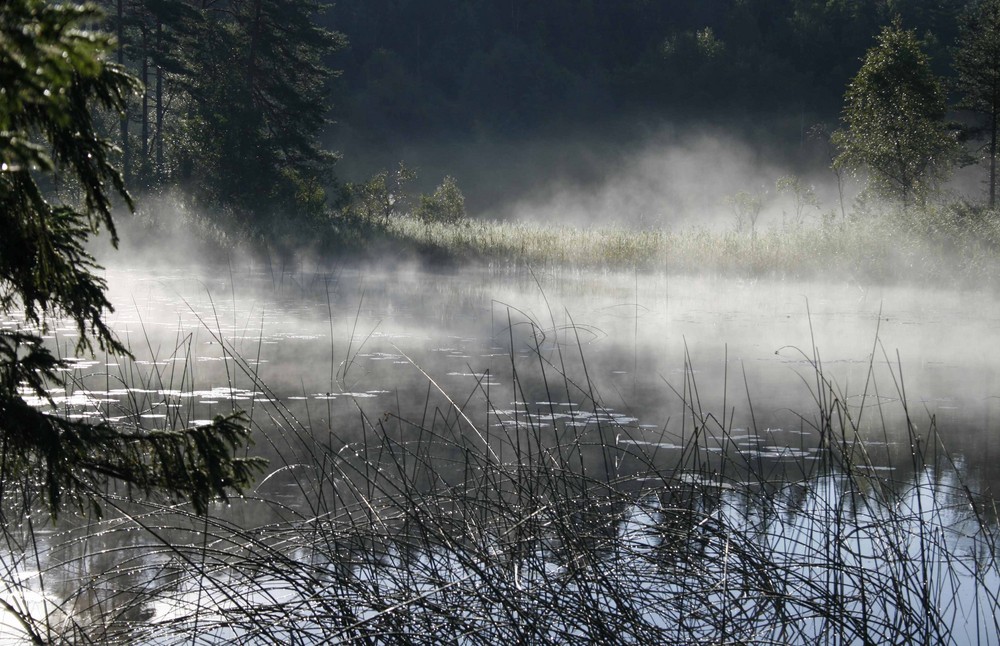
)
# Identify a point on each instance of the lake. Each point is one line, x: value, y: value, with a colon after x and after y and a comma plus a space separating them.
x: 555, y: 456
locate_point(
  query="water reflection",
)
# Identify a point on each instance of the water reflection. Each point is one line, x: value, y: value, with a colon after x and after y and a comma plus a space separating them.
x: 690, y: 560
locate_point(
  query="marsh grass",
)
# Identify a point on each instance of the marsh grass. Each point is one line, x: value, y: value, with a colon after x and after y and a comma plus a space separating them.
x: 943, y: 245
x: 478, y: 523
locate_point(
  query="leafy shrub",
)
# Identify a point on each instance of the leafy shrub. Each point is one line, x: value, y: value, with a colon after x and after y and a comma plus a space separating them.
x: 382, y: 197
x: 803, y: 196
x: 446, y: 205
x: 746, y: 208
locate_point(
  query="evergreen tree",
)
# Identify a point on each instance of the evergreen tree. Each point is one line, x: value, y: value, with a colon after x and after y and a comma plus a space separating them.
x: 977, y: 68
x: 234, y: 100
x: 894, y: 115
x: 258, y: 85
x: 54, y: 75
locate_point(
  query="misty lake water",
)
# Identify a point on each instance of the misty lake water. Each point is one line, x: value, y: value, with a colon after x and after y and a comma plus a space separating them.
x: 341, y: 356
x: 334, y: 344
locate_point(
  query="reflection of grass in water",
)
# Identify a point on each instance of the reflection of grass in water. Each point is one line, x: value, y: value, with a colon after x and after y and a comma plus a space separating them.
x: 447, y: 529
x: 938, y: 245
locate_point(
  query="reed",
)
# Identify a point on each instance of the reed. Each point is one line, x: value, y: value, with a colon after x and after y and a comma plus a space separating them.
x: 546, y: 521
x: 940, y: 245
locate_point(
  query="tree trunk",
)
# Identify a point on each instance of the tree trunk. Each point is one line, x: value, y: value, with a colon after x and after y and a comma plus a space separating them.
x: 126, y: 162
x: 994, y: 117
x: 145, y: 104
x: 252, y: 57
x: 158, y: 171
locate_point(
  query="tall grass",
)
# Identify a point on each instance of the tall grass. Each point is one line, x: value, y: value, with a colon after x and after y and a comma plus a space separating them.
x: 941, y: 244
x: 544, y: 521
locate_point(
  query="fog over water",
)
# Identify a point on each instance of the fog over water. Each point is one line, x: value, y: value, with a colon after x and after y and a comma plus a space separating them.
x: 361, y: 337
x: 464, y: 366
x: 613, y: 366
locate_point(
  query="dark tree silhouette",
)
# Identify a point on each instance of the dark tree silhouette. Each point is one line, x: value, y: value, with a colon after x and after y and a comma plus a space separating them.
x: 977, y: 68
x: 54, y: 75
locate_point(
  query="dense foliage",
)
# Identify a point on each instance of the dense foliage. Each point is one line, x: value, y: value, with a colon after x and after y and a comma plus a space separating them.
x: 445, y: 205
x: 894, y: 117
x: 431, y: 79
x: 235, y: 95
x: 57, y: 184
x: 513, y: 67
x: 238, y: 94
x: 977, y: 78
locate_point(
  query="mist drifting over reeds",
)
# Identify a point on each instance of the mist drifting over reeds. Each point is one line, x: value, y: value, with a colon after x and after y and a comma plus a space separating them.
x: 547, y: 456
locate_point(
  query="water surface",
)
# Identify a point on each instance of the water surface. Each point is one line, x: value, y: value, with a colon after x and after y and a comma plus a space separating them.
x: 614, y: 372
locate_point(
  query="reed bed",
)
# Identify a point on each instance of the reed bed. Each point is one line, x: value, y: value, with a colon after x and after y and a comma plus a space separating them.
x: 943, y: 245
x: 479, y: 523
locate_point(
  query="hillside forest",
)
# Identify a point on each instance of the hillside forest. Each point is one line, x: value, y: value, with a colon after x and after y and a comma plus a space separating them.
x: 289, y: 121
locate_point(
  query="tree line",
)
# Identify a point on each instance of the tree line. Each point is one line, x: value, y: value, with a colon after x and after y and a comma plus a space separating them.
x: 237, y: 95
x: 515, y: 66
x: 895, y: 119
x: 233, y: 97
x: 431, y: 68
